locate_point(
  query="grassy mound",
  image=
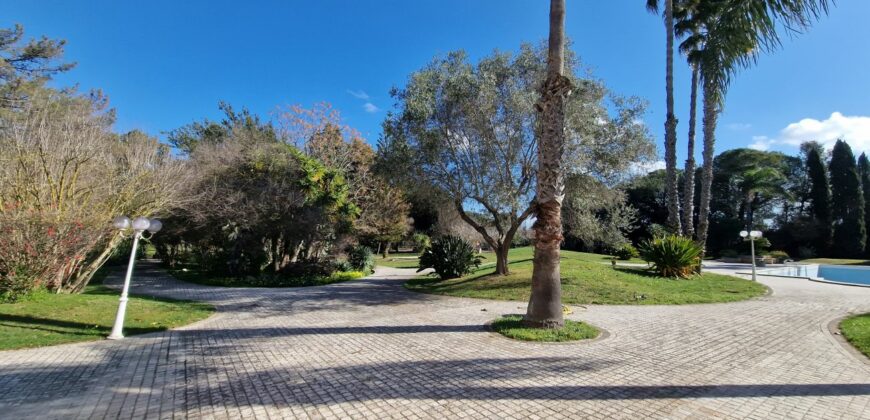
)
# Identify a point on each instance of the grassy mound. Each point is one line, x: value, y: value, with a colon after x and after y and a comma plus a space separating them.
x: 857, y: 331
x: 590, y: 279
x: 511, y: 326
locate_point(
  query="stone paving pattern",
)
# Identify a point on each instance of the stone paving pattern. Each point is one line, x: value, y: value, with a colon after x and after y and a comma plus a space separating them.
x: 371, y: 349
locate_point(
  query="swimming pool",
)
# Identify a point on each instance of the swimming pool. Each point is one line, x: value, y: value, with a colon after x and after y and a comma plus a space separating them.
x: 840, y: 274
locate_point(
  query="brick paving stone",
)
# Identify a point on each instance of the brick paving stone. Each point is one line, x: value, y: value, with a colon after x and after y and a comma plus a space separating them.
x: 371, y: 349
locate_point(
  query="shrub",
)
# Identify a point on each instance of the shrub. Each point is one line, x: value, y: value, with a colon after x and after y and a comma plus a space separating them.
x: 626, y: 252
x: 342, y: 266
x: 421, y: 241
x: 450, y: 256
x: 672, y: 255
x: 361, y: 258
x: 805, y: 252
x: 728, y: 253
x: 779, y: 255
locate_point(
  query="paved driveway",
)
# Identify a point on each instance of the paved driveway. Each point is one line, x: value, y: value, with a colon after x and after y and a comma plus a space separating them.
x: 369, y: 348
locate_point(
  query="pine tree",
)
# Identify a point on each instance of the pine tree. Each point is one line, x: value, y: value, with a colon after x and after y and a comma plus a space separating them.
x: 864, y: 174
x: 820, y: 197
x: 847, y: 204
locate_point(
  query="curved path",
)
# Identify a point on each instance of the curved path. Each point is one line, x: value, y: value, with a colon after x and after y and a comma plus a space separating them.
x: 369, y: 348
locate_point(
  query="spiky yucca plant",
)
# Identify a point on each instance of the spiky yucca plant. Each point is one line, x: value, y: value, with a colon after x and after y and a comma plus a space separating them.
x: 671, y: 255
x: 450, y: 256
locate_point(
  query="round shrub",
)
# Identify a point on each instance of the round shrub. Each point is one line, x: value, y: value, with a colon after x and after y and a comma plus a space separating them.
x: 779, y: 255
x: 450, y: 256
x: 626, y: 252
x: 361, y: 258
x: 672, y: 255
x: 421, y: 241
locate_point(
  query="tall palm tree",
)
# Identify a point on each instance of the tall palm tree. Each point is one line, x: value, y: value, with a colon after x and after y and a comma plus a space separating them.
x: 731, y: 35
x: 688, y: 28
x: 672, y: 197
x: 545, y: 303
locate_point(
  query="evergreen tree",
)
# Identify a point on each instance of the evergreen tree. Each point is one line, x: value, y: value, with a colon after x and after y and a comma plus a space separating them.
x: 847, y: 199
x: 864, y: 174
x: 820, y: 196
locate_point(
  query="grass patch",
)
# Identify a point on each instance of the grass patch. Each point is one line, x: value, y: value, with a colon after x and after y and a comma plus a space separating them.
x: 191, y: 274
x: 511, y: 326
x: 45, y: 319
x: 585, y: 280
x: 836, y: 261
x: 399, y: 260
x: 856, y: 330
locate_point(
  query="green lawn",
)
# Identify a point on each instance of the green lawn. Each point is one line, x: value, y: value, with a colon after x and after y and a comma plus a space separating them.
x: 47, y: 319
x: 857, y: 330
x: 410, y: 260
x: 835, y: 261
x: 511, y: 326
x: 585, y: 280
x: 398, y: 260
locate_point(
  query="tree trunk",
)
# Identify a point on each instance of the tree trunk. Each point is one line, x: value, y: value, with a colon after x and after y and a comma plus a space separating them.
x: 501, y: 259
x: 689, y: 175
x: 672, y: 196
x: 711, y: 112
x: 387, y: 250
x: 545, y: 303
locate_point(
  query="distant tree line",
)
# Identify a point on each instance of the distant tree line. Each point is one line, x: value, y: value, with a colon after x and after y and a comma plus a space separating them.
x: 808, y: 205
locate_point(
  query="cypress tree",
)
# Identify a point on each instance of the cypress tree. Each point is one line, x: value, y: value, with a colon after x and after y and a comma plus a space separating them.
x: 864, y: 174
x: 847, y: 204
x: 820, y: 196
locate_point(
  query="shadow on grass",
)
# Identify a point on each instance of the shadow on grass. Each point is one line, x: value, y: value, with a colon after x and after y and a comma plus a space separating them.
x: 67, y: 327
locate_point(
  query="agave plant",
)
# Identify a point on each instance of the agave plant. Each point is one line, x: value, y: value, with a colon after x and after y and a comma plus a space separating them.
x: 450, y: 256
x: 672, y: 255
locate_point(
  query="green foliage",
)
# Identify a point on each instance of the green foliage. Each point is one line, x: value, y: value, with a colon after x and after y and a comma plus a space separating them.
x: 421, y: 241
x: 299, y: 276
x: 728, y: 253
x: 864, y: 174
x: 450, y: 256
x: 779, y: 255
x: 626, y: 252
x: 847, y: 199
x: 672, y: 255
x: 511, y: 326
x: 361, y: 258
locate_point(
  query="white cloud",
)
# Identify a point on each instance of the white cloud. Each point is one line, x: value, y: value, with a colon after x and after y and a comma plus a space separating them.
x: 855, y: 130
x: 643, y: 168
x: 370, y: 108
x: 760, y: 143
x: 359, y: 94
x: 738, y: 126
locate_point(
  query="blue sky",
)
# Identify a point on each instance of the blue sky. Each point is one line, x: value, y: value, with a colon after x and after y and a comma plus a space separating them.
x: 166, y: 63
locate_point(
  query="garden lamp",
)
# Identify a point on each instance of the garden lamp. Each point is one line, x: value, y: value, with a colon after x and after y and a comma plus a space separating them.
x: 139, y: 225
x: 752, y: 236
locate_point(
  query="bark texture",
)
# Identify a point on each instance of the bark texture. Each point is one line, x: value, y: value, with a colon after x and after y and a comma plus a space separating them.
x: 689, y: 175
x: 711, y: 113
x: 545, y: 304
x: 672, y: 195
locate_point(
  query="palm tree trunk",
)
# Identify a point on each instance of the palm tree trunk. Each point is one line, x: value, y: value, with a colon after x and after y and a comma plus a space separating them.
x: 545, y: 303
x: 672, y: 196
x: 711, y: 112
x: 689, y: 172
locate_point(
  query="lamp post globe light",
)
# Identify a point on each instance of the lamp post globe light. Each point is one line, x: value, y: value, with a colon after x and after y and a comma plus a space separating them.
x: 751, y: 236
x: 139, y: 225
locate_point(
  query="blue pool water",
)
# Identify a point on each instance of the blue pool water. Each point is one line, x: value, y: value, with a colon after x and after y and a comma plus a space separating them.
x: 832, y: 273
x: 852, y: 275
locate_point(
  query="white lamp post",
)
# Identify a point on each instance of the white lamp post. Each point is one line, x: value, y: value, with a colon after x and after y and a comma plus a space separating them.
x: 752, y: 235
x: 139, y: 225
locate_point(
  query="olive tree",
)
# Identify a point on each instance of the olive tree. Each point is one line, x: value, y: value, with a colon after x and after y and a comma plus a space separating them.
x: 469, y: 132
